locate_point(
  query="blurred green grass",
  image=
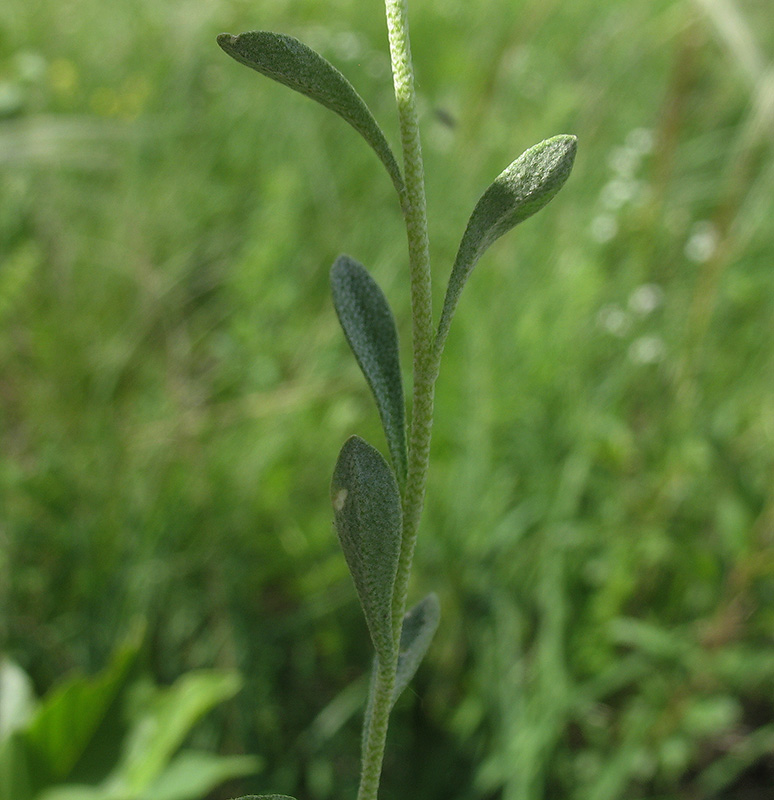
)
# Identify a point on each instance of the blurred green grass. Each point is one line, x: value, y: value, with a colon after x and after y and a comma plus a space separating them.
x: 174, y: 387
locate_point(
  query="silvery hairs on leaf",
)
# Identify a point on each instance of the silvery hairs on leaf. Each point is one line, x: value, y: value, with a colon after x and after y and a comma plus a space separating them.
x: 290, y: 62
x: 527, y: 185
x: 370, y: 329
x: 368, y: 519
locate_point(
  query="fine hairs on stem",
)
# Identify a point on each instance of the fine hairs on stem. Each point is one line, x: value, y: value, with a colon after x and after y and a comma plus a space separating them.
x: 377, y: 505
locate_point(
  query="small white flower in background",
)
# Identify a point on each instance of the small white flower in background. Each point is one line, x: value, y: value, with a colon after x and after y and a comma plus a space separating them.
x: 622, y: 188
x: 646, y: 299
x: 604, y: 227
x: 647, y: 350
x: 618, y: 192
x: 348, y: 45
x: 624, y: 161
x: 614, y: 320
x: 30, y: 66
x: 640, y: 140
x: 702, y: 242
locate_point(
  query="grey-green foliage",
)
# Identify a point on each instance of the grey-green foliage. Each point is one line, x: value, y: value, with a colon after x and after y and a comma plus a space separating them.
x: 369, y: 327
x: 419, y: 626
x: 368, y: 518
x: 517, y: 193
x: 290, y: 62
x: 368, y: 497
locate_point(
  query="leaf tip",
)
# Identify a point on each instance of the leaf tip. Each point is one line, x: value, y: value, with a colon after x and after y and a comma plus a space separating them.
x: 226, y: 39
x: 341, y: 266
x: 348, y: 455
x: 566, y: 146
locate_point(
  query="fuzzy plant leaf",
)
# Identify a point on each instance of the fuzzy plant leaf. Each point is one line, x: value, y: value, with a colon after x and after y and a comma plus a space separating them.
x: 368, y: 519
x: 369, y: 327
x: 520, y: 191
x: 419, y: 626
x: 287, y: 60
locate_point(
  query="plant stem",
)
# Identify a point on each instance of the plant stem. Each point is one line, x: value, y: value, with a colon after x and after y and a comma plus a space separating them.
x: 376, y: 735
x: 425, y: 366
x: 414, y: 207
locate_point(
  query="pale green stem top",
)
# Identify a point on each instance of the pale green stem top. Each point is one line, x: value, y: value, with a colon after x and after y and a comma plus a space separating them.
x: 415, y: 213
x: 425, y: 371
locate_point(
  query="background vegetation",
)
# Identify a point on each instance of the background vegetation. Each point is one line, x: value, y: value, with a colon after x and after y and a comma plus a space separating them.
x: 174, y: 387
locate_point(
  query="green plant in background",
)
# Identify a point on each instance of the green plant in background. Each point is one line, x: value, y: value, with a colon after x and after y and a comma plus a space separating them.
x: 111, y: 737
x: 377, y: 505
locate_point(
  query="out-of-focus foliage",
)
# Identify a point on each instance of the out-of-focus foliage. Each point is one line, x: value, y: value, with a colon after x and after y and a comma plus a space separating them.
x: 174, y: 386
x: 110, y: 738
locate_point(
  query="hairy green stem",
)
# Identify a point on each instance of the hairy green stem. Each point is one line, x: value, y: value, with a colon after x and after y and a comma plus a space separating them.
x: 425, y: 372
x: 415, y: 215
x: 376, y: 735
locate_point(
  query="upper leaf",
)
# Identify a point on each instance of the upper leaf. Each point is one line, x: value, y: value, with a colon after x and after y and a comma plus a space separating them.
x: 516, y: 194
x: 419, y: 627
x: 292, y: 63
x: 368, y: 518
x: 370, y: 329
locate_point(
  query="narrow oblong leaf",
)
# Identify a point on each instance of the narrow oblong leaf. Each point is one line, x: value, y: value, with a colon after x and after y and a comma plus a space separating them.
x: 419, y: 626
x: 370, y: 329
x: 530, y: 182
x: 368, y: 519
x: 287, y: 60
